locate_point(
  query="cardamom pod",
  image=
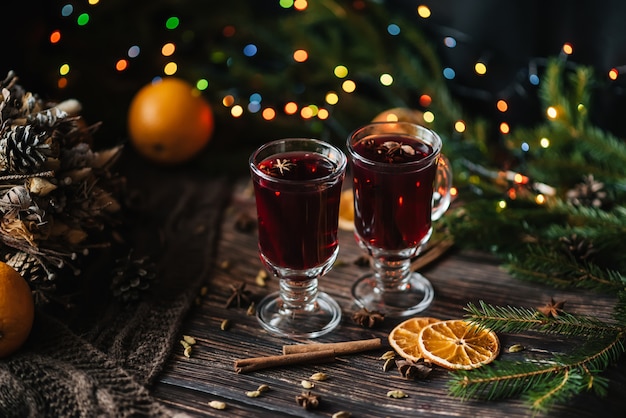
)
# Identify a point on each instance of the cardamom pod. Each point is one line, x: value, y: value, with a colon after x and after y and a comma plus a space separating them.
x: 342, y: 414
x: 217, y: 405
x: 253, y: 394
x: 225, y: 325
x: 388, y: 355
x: 319, y: 376
x: 263, y: 388
x: 189, y: 340
x: 398, y: 394
x: 306, y: 384
x: 515, y: 348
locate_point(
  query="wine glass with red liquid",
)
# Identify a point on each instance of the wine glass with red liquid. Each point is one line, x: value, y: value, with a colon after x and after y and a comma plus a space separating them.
x: 297, y: 184
x: 401, y: 182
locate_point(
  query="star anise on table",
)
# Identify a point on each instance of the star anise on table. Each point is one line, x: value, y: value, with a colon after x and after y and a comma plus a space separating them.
x: 552, y: 309
x: 368, y: 319
x: 239, y: 295
x: 413, y: 370
x: 307, y: 400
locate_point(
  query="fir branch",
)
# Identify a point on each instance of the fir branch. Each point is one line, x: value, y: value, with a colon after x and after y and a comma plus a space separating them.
x: 543, y: 384
x: 511, y: 319
x: 544, y: 264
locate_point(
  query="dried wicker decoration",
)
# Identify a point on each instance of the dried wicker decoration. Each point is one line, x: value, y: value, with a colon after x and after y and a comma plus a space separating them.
x: 57, y: 195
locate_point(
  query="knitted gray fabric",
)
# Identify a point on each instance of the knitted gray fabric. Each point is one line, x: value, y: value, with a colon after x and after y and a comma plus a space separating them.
x: 104, y: 369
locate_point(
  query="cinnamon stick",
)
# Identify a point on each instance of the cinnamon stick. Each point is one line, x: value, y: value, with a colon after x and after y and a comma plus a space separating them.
x: 347, y: 347
x: 258, y: 363
x: 431, y: 253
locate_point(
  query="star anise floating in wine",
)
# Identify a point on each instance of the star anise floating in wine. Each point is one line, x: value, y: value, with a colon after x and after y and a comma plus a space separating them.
x: 282, y: 165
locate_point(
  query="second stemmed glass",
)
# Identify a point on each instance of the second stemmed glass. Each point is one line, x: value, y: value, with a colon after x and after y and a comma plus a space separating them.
x: 401, y: 182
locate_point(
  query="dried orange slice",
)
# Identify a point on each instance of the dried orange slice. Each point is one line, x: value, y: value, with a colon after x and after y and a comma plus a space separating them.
x: 346, y: 210
x: 458, y: 344
x: 404, y: 337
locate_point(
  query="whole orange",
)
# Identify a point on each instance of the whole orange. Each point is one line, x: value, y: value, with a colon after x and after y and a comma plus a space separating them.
x: 169, y: 122
x: 17, y: 310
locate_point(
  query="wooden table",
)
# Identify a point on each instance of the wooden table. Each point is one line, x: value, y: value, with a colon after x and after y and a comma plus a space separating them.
x: 356, y: 383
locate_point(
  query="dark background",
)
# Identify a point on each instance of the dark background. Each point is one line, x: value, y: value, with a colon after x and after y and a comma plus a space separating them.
x: 512, y: 35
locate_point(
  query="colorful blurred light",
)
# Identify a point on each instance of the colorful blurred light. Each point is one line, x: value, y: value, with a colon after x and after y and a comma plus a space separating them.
x: 568, y: 49
x: 121, y: 65
x: 423, y: 11
x: 55, y: 37
x: 300, y: 55
x: 268, y: 113
x: 168, y: 49
x: 386, y: 79
x: 82, y: 19
x: 348, y: 86
x: 172, y: 22
x: 332, y: 98
x: 170, y: 68
x: 341, y: 71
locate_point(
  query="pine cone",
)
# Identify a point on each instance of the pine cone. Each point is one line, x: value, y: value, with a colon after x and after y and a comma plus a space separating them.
x: 579, y: 247
x: 23, y: 150
x: 132, y: 278
x: 28, y: 266
x: 589, y: 193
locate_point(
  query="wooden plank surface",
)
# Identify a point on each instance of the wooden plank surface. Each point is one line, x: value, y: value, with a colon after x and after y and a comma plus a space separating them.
x: 357, y: 382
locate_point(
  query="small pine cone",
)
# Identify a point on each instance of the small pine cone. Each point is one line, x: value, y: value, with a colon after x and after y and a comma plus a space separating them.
x: 578, y: 247
x: 28, y: 267
x: 24, y: 150
x: 589, y: 193
x: 132, y: 278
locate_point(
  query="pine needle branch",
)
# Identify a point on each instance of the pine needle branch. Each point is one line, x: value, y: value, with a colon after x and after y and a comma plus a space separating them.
x: 542, y: 384
x: 515, y: 320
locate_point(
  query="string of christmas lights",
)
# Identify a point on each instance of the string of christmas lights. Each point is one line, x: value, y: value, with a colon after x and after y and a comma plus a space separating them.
x: 254, y: 103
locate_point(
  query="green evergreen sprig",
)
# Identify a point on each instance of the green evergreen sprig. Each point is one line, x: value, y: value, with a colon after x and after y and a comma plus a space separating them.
x: 542, y: 384
x: 510, y: 319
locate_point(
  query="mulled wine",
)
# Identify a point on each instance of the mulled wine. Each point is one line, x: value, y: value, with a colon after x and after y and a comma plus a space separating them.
x: 396, y: 168
x: 394, y: 195
x: 297, y: 221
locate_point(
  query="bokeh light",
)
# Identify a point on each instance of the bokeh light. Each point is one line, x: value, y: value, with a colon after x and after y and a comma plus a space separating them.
x: 423, y: 11
x: 172, y: 22
x: 170, y: 68
x: 386, y: 79
x: 348, y: 86
x: 121, y: 65
x: 55, y: 37
x: 332, y: 98
x: 168, y: 49
x: 425, y: 100
x: 568, y: 49
x: 300, y: 55
x: 82, y: 19
x: 268, y: 113
x: 341, y: 71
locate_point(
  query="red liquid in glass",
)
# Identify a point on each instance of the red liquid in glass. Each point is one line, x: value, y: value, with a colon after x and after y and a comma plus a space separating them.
x: 392, y: 204
x: 297, y: 223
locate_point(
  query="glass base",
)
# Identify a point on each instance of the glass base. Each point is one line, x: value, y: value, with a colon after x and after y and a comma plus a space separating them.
x: 324, y: 317
x: 414, y: 298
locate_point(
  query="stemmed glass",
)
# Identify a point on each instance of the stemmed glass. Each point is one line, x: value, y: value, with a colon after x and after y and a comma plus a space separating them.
x: 297, y: 185
x: 401, y: 182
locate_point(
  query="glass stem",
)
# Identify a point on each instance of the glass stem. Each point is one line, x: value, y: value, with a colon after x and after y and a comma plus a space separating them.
x: 392, y: 276
x: 298, y: 295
